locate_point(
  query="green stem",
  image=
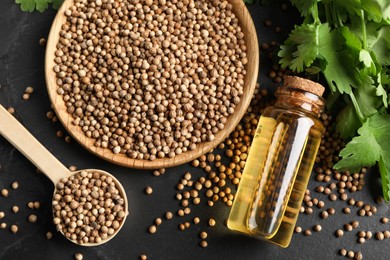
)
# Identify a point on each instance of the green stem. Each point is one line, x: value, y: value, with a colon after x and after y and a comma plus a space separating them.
x: 314, y: 14
x: 356, y: 106
x: 364, y: 31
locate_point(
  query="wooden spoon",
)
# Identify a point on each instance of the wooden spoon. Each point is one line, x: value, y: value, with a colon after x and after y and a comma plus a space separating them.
x: 252, y: 68
x: 22, y: 139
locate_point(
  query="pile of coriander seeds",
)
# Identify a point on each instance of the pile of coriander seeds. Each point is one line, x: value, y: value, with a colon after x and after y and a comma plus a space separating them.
x: 150, y: 79
x: 88, y: 207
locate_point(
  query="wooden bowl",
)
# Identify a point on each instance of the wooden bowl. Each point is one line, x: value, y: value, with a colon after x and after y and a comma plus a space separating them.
x: 250, y: 79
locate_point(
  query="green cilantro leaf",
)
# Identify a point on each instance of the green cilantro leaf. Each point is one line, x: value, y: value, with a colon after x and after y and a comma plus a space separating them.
x: 303, y: 44
x: 305, y: 7
x: 39, y: 5
x: 347, y: 122
x: 377, y: 10
x: 26, y: 5
x: 341, y: 70
x: 371, y: 146
x: 381, y: 43
x: 365, y: 57
x: 366, y: 95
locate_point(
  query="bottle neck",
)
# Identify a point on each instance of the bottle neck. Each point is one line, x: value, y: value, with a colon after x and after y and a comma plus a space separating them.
x: 297, y: 98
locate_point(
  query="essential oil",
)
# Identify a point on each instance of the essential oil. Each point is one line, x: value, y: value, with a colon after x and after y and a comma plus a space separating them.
x: 279, y: 163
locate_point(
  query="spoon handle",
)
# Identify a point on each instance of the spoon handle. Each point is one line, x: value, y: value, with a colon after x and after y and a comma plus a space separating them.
x: 19, y: 137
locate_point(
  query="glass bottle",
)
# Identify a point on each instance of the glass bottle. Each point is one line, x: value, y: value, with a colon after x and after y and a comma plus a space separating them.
x: 279, y: 163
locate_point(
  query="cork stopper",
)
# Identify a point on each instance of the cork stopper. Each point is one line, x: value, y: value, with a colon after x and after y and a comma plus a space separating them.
x: 304, y: 84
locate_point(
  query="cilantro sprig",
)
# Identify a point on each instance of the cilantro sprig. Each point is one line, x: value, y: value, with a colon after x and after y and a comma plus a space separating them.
x: 348, y: 41
x: 39, y: 5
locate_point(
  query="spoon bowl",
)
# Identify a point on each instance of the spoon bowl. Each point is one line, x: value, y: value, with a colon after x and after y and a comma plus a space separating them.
x: 21, y: 139
x: 122, y: 194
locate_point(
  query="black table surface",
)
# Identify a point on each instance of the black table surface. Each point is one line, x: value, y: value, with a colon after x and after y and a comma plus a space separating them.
x: 22, y: 65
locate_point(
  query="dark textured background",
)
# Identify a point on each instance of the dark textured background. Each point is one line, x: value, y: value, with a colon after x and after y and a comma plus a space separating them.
x: 21, y: 65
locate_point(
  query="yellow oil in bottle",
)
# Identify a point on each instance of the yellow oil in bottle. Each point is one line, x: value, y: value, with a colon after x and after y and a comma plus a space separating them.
x: 276, y: 175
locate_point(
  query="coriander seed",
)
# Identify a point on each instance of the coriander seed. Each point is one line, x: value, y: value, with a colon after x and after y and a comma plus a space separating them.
x: 14, y: 228
x: 15, y: 185
x: 168, y: 215
x: 203, y: 243
x: 49, y: 235
x: 298, y: 229
x: 379, y: 236
x: 78, y: 256
x: 148, y: 190
x: 339, y: 233
x: 15, y: 209
x: 152, y: 229
x: 203, y: 235
x: 4, y: 193
x: 32, y: 218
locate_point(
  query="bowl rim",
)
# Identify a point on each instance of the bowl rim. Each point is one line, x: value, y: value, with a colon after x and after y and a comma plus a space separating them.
x: 250, y: 79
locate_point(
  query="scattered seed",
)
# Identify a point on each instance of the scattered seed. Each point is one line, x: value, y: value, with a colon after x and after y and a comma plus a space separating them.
x: 309, y: 211
x: 168, y: 215
x: 346, y: 210
x: 379, y: 236
x: 182, y: 226
x: 317, y: 228
x: 2, y: 214
x: 368, y: 235
x: 29, y: 90
x: 3, y: 225
x: 331, y: 211
x: 212, y: 222
x: 339, y: 233
x: 384, y: 220
x: 348, y: 227
x: 4, y: 193
x: 355, y: 224
x: 78, y: 256
x: 351, y: 254
x: 143, y: 257
x: 196, y: 220
x: 386, y: 234
x: 158, y: 221
x: 298, y: 229
x: 42, y: 42
x: 203, y: 235
x: 361, y: 240
x: 15, y: 185
x: 49, y: 235
x: 15, y: 209
x: 14, y: 229
x: 11, y: 110
x: 332, y: 197
x: 307, y: 232
x: 152, y: 229
x: 25, y: 96
x: 30, y: 205
x: 148, y: 190
x: 203, y: 243
x: 343, y: 252
x: 37, y: 205
x: 324, y: 214
x: 358, y: 256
